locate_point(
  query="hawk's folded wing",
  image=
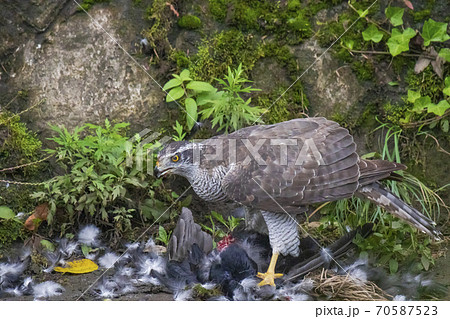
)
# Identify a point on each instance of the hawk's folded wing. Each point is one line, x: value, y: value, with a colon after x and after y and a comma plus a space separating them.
x: 321, y: 166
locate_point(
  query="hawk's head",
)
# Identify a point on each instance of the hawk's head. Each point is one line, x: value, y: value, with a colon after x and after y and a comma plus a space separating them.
x: 175, y: 158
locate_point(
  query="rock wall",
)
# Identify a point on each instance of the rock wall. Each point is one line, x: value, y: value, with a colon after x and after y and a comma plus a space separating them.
x: 79, y: 66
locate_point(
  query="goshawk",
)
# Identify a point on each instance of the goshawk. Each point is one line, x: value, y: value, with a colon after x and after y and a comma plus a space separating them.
x: 282, y: 168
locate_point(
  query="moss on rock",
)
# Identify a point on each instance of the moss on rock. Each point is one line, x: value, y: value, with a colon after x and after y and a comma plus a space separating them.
x: 218, y: 9
x: 85, y: 5
x: 10, y: 231
x: 189, y: 22
x: 363, y: 69
x: 18, y: 145
x: 180, y: 58
x: 427, y: 83
x: 223, y: 50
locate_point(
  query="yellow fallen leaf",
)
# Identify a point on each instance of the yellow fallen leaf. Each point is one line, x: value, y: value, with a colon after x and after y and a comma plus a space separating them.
x: 82, y: 266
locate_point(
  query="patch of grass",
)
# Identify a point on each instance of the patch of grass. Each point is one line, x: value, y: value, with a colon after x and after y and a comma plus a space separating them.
x: 394, y: 242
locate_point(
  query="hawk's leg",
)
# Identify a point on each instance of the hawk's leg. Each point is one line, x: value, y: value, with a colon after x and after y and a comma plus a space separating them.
x: 284, y: 239
x: 268, y: 278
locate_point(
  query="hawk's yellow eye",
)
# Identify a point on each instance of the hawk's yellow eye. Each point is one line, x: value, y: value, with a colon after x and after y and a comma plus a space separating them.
x: 175, y: 158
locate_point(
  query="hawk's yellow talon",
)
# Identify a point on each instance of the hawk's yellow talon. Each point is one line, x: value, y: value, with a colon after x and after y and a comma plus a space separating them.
x: 268, y: 278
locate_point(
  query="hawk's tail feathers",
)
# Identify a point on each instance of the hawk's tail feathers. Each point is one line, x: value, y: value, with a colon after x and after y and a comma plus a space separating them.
x: 382, y: 197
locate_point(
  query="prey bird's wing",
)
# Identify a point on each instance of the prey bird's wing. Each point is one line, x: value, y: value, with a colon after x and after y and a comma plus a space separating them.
x: 321, y: 166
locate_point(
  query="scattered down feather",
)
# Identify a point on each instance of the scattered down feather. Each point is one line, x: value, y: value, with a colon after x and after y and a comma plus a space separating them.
x: 47, y: 290
x: 108, y: 260
x: 88, y: 235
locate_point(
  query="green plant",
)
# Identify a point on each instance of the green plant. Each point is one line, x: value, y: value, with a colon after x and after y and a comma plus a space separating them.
x: 179, y: 130
x: 156, y: 206
x: 230, y: 224
x: 399, y: 40
x: 427, y: 102
x: 180, y: 58
x: 424, y: 103
x: 163, y: 235
x: 97, y: 184
x: 184, y: 89
x: 215, y: 231
x: 230, y: 111
x: 218, y: 9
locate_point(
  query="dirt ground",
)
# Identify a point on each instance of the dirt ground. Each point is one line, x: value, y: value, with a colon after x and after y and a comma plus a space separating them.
x: 76, y: 285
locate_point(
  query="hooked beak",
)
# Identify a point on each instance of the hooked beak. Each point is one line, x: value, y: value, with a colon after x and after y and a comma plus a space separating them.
x: 157, y: 172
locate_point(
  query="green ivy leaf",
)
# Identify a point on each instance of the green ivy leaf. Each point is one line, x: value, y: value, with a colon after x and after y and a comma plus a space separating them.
x: 395, y: 15
x: 446, y: 89
x: 413, y: 96
x: 191, y: 110
x: 421, y: 104
x: 174, y: 94
x: 433, y: 31
x: 440, y: 108
x: 399, y: 42
x: 6, y: 213
x: 372, y: 34
x: 172, y: 83
x: 200, y: 86
x: 445, y: 54
x: 349, y: 44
